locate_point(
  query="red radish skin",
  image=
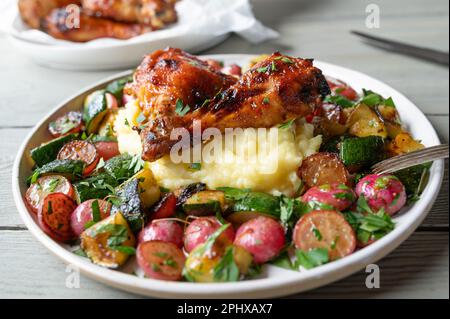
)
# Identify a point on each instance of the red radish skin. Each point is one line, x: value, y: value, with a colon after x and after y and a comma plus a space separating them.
x: 36, y: 192
x: 54, y: 216
x: 233, y: 69
x: 382, y: 191
x: 107, y: 150
x: 82, y: 215
x: 80, y: 151
x: 165, y: 208
x: 160, y: 260
x: 338, y: 196
x: 325, y: 229
x: 168, y: 231
x: 69, y: 123
x: 263, y: 237
x: 201, y: 228
x: 111, y: 102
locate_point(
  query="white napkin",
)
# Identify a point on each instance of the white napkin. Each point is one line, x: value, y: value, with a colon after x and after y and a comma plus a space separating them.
x: 215, y: 17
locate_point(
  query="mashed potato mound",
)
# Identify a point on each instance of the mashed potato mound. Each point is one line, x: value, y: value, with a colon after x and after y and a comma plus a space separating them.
x: 239, y: 166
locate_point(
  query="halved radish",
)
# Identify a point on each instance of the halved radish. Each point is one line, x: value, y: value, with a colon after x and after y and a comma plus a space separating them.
x: 46, y: 185
x: 160, y: 260
x: 164, y: 230
x: 54, y: 216
x: 107, y: 150
x: 80, y: 151
x: 83, y: 215
x: 111, y: 102
x: 71, y: 122
x: 325, y: 229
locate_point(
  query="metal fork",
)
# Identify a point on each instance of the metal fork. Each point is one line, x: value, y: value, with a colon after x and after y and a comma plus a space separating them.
x: 422, y: 156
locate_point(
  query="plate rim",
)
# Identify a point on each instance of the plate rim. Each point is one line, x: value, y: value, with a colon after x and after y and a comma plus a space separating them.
x: 256, y: 288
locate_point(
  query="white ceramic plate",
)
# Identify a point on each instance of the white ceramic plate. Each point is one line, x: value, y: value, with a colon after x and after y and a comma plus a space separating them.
x: 275, y: 281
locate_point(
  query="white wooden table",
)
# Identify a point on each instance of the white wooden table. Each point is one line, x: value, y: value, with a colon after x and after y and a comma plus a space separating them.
x: 319, y: 29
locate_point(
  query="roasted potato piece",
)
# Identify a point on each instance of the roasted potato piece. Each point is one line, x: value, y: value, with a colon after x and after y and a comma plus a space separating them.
x: 150, y: 191
x: 403, y: 143
x: 363, y: 122
x: 104, y: 242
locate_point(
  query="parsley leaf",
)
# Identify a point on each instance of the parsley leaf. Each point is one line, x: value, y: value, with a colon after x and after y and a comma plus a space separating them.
x: 181, y: 109
x: 312, y: 258
x: 287, y: 125
x: 226, y: 270
x: 96, y: 217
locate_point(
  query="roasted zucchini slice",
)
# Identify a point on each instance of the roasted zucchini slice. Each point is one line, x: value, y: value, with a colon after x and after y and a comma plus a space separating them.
x: 48, y: 152
x: 205, y: 203
x: 95, y: 110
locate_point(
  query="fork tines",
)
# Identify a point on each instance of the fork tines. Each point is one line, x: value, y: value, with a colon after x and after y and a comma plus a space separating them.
x: 400, y: 162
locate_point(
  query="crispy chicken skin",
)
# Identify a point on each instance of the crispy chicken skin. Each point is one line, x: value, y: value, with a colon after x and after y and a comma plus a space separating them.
x: 90, y: 28
x: 34, y: 12
x: 157, y: 13
x: 274, y: 91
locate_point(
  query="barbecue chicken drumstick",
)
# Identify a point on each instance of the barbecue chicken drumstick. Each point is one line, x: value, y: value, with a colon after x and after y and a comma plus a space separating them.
x: 156, y: 13
x: 273, y: 92
x: 90, y: 28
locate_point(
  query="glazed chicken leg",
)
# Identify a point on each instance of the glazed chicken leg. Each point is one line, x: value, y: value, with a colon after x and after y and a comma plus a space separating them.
x: 156, y: 13
x: 90, y: 28
x: 274, y: 91
x: 34, y: 12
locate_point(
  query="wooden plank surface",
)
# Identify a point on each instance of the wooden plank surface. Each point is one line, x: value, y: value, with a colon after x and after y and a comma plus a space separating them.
x: 319, y: 29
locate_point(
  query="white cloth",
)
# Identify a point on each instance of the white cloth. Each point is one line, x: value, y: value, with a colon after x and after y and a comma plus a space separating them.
x: 215, y: 17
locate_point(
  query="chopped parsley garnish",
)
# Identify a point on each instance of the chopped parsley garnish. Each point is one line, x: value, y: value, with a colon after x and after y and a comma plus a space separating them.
x: 195, y: 166
x: 96, y: 216
x: 127, y: 123
x: 124, y: 249
x: 312, y: 258
x: 51, y: 187
x: 181, y: 109
x: 287, y: 125
x: 339, y: 100
x: 266, y: 100
x: 317, y: 234
x: 227, y: 270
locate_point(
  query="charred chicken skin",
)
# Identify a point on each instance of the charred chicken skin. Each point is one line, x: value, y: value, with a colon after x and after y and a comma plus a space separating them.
x: 156, y: 13
x: 273, y: 92
x: 90, y: 28
x: 34, y: 12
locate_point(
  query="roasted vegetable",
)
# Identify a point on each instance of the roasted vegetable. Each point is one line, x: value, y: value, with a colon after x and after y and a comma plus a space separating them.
x: 239, y: 218
x: 403, y: 143
x: 364, y: 121
x: 258, y: 202
x: 185, y: 193
x: 80, y: 150
x: 205, y: 203
x: 120, y: 167
x: 68, y: 123
x: 323, y: 168
x: 116, y: 88
x: 148, y: 188
x: 48, y: 152
x: 217, y: 260
x: 47, y: 185
x: 95, y: 110
x: 361, y: 152
x: 131, y: 204
x: 414, y: 179
x: 110, y: 242
x: 68, y: 168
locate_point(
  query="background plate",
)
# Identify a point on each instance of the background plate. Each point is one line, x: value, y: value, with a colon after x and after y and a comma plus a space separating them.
x: 275, y: 281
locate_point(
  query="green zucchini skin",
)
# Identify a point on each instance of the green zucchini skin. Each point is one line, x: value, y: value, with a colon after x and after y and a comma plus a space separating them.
x: 48, y: 152
x: 258, y: 202
x: 116, y: 87
x: 119, y: 167
x: 202, y: 209
x: 94, y: 187
x: 362, y: 151
x: 205, y: 203
x: 131, y: 205
x: 412, y: 177
x: 68, y: 168
x: 95, y: 111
